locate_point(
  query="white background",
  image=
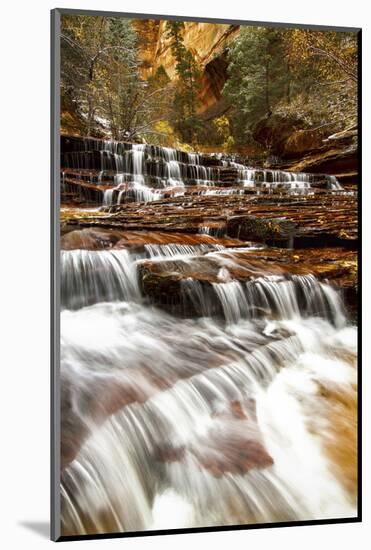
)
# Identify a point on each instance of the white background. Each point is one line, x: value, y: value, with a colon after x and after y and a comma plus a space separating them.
x: 24, y: 254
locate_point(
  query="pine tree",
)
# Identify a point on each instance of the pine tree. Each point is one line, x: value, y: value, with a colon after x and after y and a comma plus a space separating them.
x: 185, y: 118
x: 257, y: 76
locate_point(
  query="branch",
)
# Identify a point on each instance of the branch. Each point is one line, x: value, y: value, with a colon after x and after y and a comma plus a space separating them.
x: 103, y: 50
x: 321, y: 126
x: 331, y: 82
x: 74, y: 44
x: 341, y: 64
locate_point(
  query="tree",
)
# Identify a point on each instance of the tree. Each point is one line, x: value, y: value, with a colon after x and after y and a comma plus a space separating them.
x: 308, y: 76
x: 100, y: 78
x: 257, y: 77
x: 325, y: 74
x: 81, y: 43
x: 185, y: 118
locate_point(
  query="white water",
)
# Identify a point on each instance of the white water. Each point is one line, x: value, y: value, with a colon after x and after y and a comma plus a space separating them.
x: 333, y: 183
x: 170, y: 456
x: 94, y: 276
x: 178, y: 251
x: 142, y: 172
x: 296, y: 181
x: 108, y: 197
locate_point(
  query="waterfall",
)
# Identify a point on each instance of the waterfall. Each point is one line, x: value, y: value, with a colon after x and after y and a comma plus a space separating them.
x: 174, y: 176
x: 89, y: 276
x: 333, y: 183
x: 296, y: 181
x: 270, y: 297
x: 194, y: 406
x: 246, y: 177
x: 233, y: 300
x: 201, y: 384
x: 178, y: 251
x: 273, y: 178
x: 140, y: 191
x: 215, y: 230
x: 215, y: 418
x: 147, y: 170
x: 193, y: 158
x: 108, y: 197
x: 138, y: 163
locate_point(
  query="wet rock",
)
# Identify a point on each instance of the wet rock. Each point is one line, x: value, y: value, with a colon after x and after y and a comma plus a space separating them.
x: 271, y: 231
x: 228, y: 176
x: 73, y: 429
x: 84, y: 191
x: 138, y: 239
x: 235, y: 456
x: 336, y: 425
x: 169, y: 454
x: 239, y: 447
x: 302, y: 141
x: 233, y: 444
x: 334, y: 160
x: 156, y: 275
x: 90, y: 239
x: 323, y: 219
x: 273, y: 131
x: 171, y: 284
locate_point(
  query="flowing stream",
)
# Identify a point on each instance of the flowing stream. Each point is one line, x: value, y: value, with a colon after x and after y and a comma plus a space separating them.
x: 144, y: 173
x: 219, y: 418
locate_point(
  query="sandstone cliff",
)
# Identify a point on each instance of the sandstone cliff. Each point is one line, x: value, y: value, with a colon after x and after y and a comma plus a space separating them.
x: 208, y: 43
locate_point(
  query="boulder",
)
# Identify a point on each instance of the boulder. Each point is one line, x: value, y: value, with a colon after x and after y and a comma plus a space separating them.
x: 185, y: 287
x: 335, y: 160
x: 90, y: 239
x: 272, y: 131
x: 301, y: 142
x: 274, y: 232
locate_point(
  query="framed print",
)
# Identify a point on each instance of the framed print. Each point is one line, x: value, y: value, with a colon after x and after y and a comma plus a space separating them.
x: 205, y: 286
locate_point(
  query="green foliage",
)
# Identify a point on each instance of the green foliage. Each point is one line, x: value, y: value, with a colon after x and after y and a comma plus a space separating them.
x: 309, y: 74
x: 257, y: 76
x: 159, y: 79
x: 100, y: 78
x: 324, y: 75
x: 223, y: 133
x: 185, y: 119
x: 298, y: 74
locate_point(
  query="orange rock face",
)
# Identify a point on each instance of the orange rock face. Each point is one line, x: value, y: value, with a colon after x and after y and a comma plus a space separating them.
x: 206, y: 41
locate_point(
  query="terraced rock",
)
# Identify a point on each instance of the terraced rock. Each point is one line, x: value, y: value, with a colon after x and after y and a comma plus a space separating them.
x: 323, y: 219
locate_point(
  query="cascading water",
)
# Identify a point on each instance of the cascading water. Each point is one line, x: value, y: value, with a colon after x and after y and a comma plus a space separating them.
x: 178, y: 251
x: 172, y: 166
x: 108, y: 197
x: 280, y: 297
x: 333, y: 183
x: 296, y: 181
x: 95, y: 276
x: 218, y: 419
x: 143, y: 173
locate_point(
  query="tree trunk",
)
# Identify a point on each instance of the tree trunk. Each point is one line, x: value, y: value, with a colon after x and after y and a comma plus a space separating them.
x: 267, y: 99
x: 90, y: 115
x: 288, y: 84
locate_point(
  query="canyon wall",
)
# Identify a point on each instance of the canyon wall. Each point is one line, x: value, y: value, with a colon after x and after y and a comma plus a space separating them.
x: 208, y: 43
